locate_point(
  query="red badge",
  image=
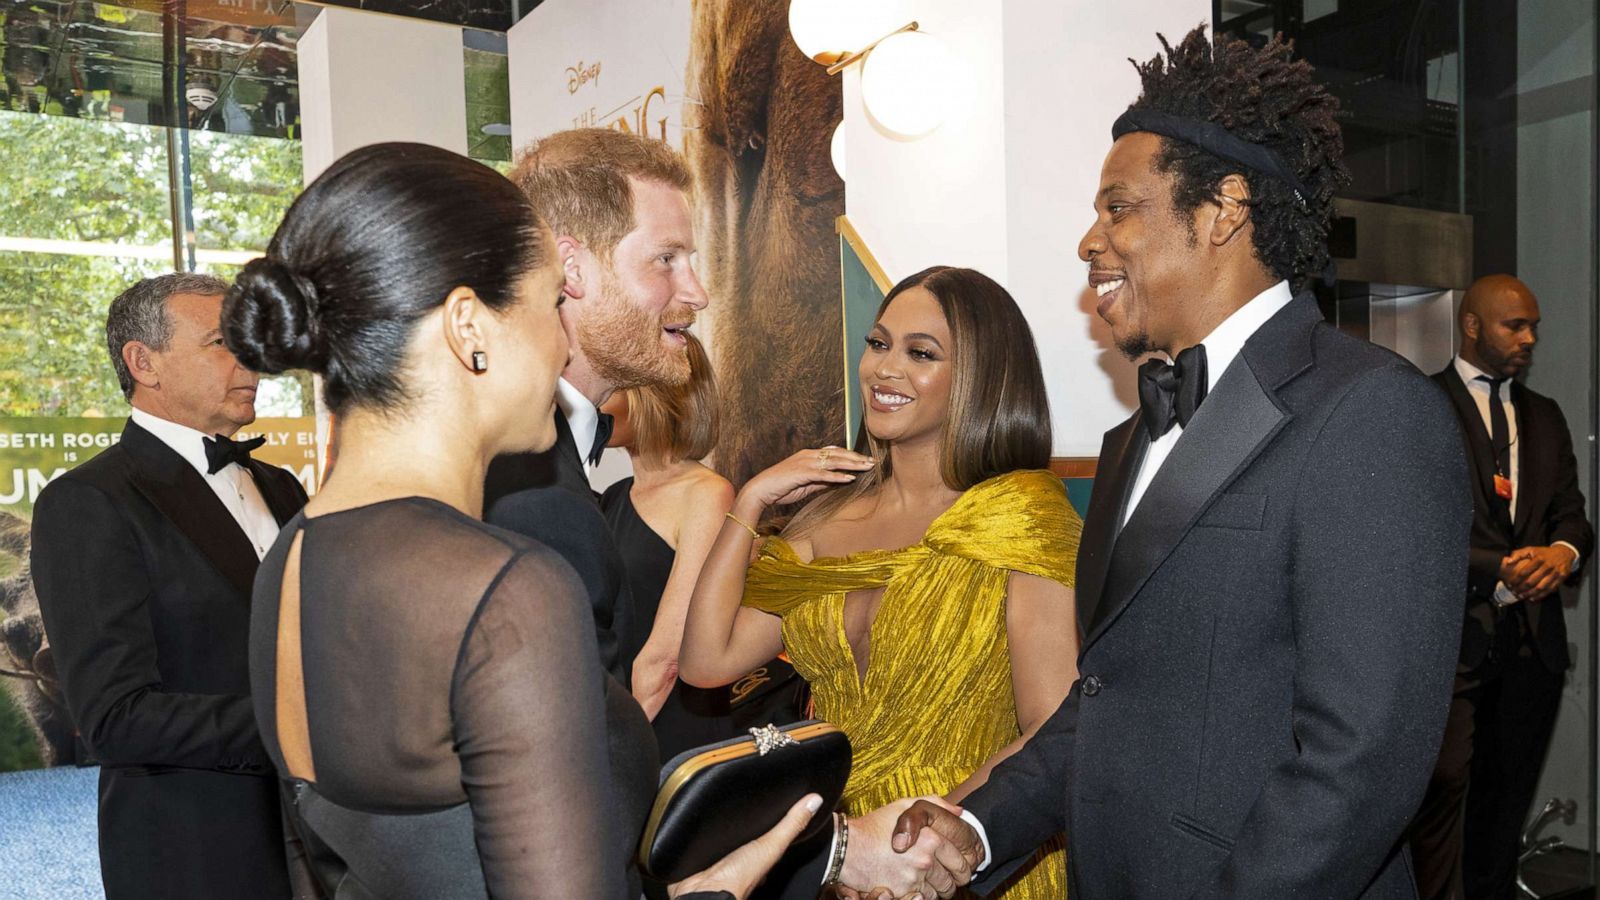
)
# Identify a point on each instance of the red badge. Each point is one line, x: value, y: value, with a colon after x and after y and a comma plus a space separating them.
x: 1502, y: 487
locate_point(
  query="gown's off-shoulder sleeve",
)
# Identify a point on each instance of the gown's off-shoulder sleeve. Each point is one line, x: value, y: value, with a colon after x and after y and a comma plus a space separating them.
x: 1020, y: 521
x: 778, y: 580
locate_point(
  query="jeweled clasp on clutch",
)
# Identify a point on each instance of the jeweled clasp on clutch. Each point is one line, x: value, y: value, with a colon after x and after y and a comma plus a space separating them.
x: 769, y: 738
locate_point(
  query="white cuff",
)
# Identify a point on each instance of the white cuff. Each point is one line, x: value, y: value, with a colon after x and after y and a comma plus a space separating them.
x: 1577, y: 558
x: 983, y: 838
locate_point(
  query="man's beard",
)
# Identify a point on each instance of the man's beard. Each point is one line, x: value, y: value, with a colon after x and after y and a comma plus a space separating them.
x: 1136, y: 345
x: 623, y: 342
x: 1499, y: 362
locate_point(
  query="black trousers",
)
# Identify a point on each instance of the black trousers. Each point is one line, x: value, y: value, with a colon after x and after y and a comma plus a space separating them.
x: 1464, y: 839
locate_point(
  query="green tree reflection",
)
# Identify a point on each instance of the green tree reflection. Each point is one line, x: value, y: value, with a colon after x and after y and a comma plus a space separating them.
x: 101, y: 183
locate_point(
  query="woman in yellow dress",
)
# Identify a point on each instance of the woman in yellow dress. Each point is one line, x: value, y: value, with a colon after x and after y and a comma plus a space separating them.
x: 925, y: 591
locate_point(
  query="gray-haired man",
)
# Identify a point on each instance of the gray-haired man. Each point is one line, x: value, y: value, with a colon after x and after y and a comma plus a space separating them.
x: 143, y: 559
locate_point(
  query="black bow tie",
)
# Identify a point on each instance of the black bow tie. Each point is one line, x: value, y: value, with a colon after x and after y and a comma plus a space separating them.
x: 602, y: 436
x: 220, y: 451
x: 1172, y: 392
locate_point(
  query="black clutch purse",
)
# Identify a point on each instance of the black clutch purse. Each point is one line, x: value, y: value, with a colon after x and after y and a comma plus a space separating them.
x: 714, y: 799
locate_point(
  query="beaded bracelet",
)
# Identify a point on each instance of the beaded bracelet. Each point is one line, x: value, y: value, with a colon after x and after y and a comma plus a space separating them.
x: 841, y: 844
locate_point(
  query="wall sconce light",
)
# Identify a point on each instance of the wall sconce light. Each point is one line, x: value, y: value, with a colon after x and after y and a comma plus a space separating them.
x: 908, y: 77
x: 908, y: 82
x: 836, y: 150
x: 829, y: 30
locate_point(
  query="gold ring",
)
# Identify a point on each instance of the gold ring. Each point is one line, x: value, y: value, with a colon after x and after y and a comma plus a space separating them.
x: 822, y: 455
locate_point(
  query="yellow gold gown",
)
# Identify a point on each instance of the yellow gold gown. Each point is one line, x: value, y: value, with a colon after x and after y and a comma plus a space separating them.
x: 937, y: 701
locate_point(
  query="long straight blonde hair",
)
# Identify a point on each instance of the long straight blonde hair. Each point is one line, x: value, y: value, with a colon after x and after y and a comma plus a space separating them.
x: 672, y: 423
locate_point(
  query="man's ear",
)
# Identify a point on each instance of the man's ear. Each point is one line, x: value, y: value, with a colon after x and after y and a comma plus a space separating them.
x: 1471, y: 326
x: 464, y: 330
x: 575, y: 264
x: 142, y: 364
x: 1231, y: 210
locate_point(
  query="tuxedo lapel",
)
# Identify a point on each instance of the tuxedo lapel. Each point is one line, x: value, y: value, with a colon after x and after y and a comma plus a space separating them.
x: 175, y: 489
x: 1477, y: 438
x: 1529, y: 472
x: 282, y: 501
x: 1237, y: 420
x: 569, y: 462
x: 1121, y: 453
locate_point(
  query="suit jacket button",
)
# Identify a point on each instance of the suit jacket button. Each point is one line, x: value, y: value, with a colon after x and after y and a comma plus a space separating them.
x: 1092, y: 685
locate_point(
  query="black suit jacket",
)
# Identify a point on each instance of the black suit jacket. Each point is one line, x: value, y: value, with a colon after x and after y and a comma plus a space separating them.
x: 1549, y: 509
x: 547, y: 497
x: 1269, y: 640
x: 144, y: 585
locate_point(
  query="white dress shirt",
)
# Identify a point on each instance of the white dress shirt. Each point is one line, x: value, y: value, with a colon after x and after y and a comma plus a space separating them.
x: 233, y: 484
x: 582, y: 418
x: 1480, y: 395
x: 1222, y: 345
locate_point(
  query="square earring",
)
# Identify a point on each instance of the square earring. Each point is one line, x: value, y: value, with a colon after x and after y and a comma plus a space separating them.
x: 480, y: 361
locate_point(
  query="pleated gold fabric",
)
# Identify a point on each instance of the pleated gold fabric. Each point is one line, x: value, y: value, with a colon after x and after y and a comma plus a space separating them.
x: 937, y: 699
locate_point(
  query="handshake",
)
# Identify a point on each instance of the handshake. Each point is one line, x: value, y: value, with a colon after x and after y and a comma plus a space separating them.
x: 911, y: 848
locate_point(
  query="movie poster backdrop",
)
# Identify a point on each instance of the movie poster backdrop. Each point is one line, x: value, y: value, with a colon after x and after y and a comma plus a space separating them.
x: 722, y: 81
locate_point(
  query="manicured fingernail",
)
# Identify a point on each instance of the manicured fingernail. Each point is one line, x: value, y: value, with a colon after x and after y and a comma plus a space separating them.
x: 813, y: 803
x: 900, y: 842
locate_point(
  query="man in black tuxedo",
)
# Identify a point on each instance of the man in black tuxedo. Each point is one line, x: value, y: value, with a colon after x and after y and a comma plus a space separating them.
x: 1529, y: 535
x: 619, y: 206
x: 143, y: 559
x: 1270, y: 573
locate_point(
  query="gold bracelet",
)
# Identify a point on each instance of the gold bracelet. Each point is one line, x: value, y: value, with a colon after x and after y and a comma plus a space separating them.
x: 754, y: 535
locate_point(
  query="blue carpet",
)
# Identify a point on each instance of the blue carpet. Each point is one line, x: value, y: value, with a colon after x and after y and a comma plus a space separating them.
x: 48, y: 848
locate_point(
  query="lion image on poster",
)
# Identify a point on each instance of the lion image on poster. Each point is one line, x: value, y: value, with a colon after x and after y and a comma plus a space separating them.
x: 759, y: 120
x: 27, y: 671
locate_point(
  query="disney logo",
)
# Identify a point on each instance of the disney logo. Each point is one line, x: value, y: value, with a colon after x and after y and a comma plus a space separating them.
x: 580, y: 75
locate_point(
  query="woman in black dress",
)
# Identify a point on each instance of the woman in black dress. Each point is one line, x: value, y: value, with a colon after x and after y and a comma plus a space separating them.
x: 664, y: 520
x: 429, y: 684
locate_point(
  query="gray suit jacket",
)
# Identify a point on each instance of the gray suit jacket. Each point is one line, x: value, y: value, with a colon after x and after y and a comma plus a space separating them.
x: 1268, y: 642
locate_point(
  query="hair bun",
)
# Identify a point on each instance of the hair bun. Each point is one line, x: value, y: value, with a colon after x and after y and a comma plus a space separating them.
x: 269, y: 319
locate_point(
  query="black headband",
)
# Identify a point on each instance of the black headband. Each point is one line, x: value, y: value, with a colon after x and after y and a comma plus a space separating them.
x: 1214, y: 139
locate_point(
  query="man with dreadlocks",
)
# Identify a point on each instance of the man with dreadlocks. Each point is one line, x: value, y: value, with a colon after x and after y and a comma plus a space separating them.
x: 1270, y: 576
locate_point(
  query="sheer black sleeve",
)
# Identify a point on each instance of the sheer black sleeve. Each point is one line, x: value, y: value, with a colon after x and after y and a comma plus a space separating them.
x: 528, y: 714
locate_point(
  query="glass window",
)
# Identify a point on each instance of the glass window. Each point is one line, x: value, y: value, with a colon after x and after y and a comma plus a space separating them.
x: 1470, y: 131
x: 100, y: 193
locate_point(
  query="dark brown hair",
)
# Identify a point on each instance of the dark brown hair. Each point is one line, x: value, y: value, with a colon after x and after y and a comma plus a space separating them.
x: 999, y: 418
x: 672, y: 423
